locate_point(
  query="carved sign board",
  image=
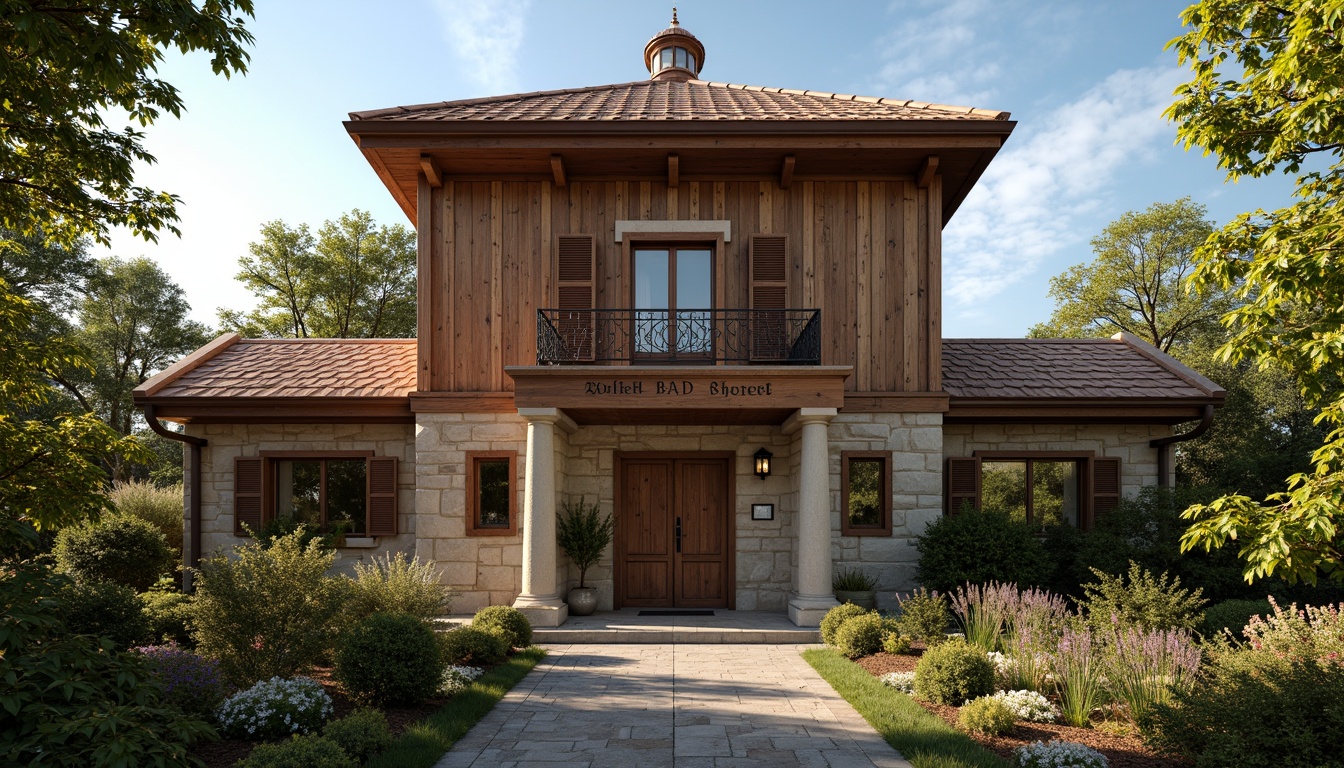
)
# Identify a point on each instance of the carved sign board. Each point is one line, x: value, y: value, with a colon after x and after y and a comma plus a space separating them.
x: 679, y: 387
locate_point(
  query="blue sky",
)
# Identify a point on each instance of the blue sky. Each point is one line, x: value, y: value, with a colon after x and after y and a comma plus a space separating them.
x: 1086, y: 81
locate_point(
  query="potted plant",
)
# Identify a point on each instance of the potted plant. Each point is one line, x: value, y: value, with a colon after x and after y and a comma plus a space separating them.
x: 852, y: 585
x: 584, y: 535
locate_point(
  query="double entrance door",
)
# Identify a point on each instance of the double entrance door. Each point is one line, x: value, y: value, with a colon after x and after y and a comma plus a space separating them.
x: 674, y: 530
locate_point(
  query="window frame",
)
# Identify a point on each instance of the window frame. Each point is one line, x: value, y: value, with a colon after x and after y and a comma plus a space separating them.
x: 884, y: 527
x: 1084, y: 460
x: 270, y: 502
x: 672, y: 242
x: 473, y: 496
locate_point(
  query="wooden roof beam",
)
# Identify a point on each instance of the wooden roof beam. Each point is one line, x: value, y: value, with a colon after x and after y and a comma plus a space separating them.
x: 558, y: 170
x: 432, y: 170
x: 673, y: 171
x: 786, y: 171
x: 927, y: 171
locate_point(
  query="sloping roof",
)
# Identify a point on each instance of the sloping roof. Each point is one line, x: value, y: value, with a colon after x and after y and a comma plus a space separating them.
x: 1122, y: 367
x: 698, y: 100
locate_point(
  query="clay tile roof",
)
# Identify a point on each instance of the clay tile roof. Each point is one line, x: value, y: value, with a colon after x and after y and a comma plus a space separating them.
x: 1120, y: 367
x: 290, y: 368
x: 647, y: 100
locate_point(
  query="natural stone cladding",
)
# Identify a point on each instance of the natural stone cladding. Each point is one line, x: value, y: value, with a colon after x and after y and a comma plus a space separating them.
x: 227, y: 441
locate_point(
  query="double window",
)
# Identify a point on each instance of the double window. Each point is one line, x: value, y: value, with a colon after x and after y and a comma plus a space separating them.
x: 1042, y: 488
x: 674, y: 296
x: 347, y: 492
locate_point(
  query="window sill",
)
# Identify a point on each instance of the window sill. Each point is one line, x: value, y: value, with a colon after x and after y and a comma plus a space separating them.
x: 359, y: 542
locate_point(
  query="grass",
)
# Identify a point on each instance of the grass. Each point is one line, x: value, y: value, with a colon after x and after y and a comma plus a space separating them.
x: 919, y: 735
x: 425, y: 742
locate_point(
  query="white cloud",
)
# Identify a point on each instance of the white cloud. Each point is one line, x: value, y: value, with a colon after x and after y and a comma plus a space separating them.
x: 1024, y: 208
x: 934, y: 54
x: 486, y: 35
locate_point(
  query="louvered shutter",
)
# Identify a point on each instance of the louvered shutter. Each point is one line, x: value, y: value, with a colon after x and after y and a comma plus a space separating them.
x: 576, y: 276
x: 961, y: 484
x: 1105, y: 486
x: 383, y: 496
x: 247, y: 494
x: 769, y: 264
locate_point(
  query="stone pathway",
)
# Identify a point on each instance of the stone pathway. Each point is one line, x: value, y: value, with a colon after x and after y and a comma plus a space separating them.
x: 688, y: 706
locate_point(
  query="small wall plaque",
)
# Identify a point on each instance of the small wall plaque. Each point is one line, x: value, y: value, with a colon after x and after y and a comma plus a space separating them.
x: 762, y: 511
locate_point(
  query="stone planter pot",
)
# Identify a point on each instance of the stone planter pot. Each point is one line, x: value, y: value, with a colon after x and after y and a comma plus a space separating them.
x: 582, y: 601
x: 865, y: 599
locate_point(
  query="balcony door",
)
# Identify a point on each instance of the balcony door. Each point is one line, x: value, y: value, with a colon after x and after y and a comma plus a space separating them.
x: 674, y: 296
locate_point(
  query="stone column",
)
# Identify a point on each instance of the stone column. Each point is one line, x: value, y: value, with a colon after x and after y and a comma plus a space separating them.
x: 540, y: 599
x: 812, y: 596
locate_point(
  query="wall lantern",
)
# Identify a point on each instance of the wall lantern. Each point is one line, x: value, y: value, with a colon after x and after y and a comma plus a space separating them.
x: 762, y: 458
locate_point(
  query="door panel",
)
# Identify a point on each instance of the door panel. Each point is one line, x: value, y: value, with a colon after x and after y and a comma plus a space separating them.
x: 646, y: 533
x: 701, y: 502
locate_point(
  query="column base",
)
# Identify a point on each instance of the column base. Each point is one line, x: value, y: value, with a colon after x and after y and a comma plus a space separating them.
x: 542, y: 611
x: 808, y: 610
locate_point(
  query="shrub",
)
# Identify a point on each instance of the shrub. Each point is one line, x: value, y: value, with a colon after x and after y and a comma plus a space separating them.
x: 169, y: 615
x: 977, y: 547
x: 986, y: 715
x: 118, y: 548
x: 1254, y: 708
x: 835, y: 617
x: 394, y: 584
x: 59, y: 688
x: 853, y: 580
x: 161, y: 507
x: 507, y: 622
x: 456, y: 678
x: 390, y: 658
x: 924, y: 616
x: 471, y: 646
x: 860, y: 636
x: 105, y: 610
x: 191, y: 683
x: 901, y: 681
x: 1145, y: 667
x: 275, y: 708
x: 299, y: 752
x: 1141, y: 600
x: 1311, y: 633
x: 360, y: 734
x: 952, y: 672
x: 1232, y: 616
x: 895, y: 642
x: 1028, y: 705
x: 268, y: 613
x: 1058, y: 754
x: 1077, y: 672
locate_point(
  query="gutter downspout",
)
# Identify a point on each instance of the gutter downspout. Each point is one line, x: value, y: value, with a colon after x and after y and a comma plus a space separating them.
x: 193, y: 558
x: 1163, y: 446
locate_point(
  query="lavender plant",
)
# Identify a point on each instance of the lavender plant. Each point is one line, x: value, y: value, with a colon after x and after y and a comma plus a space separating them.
x: 1028, y: 649
x: 983, y: 611
x: 1077, y: 671
x: 191, y: 683
x: 1144, y: 668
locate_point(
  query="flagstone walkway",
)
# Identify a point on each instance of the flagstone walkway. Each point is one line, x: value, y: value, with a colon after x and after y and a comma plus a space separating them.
x: 682, y: 706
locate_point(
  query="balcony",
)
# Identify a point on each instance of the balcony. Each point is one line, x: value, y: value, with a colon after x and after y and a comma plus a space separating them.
x: 680, y: 337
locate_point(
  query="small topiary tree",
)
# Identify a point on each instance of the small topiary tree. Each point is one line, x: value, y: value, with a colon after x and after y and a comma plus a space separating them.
x: 835, y: 617
x: 987, y: 715
x: 952, y: 672
x: 117, y: 548
x: 472, y: 647
x: 924, y: 616
x: 390, y: 658
x: 860, y: 635
x: 310, y: 751
x: 507, y: 622
x: 360, y: 734
x: 583, y: 534
x: 979, y: 547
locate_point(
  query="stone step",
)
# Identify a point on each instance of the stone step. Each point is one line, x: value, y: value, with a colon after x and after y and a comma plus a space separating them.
x: 628, y: 627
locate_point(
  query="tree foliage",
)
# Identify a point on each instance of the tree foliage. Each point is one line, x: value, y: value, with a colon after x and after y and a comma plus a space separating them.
x: 356, y: 279
x: 66, y: 69
x: 1277, y: 110
x: 1136, y: 283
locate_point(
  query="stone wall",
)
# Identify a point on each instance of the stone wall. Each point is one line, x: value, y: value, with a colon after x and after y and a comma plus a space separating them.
x: 227, y: 441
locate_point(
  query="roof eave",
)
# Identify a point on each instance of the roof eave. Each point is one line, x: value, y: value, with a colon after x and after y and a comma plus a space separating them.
x: 407, y: 128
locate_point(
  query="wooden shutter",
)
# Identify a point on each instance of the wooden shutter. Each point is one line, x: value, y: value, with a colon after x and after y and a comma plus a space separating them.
x: 247, y: 494
x: 768, y: 256
x: 1105, y: 486
x: 575, y: 280
x: 382, y: 496
x: 961, y: 484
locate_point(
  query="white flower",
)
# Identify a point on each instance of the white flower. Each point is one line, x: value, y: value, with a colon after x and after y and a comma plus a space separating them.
x: 276, y: 707
x: 456, y: 678
x: 1058, y: 754
x: 1029, y: 705
x: 901, y: 681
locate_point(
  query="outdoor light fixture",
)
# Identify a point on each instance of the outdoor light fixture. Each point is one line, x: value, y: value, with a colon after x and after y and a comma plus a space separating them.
x: 763, y: 463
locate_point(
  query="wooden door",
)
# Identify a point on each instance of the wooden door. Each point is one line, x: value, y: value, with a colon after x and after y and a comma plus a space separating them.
x: 674, y: 532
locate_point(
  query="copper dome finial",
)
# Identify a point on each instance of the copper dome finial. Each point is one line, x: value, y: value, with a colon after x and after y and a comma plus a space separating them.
x: 675, y: 23
x: 674, y: 54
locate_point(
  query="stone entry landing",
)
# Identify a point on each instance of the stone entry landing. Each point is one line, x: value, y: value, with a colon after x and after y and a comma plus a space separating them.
x: 673, y: 706
x: 627, y: 626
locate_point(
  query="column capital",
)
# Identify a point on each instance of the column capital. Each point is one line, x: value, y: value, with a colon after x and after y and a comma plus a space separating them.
x: 804, y: 416
x: 550, y: 416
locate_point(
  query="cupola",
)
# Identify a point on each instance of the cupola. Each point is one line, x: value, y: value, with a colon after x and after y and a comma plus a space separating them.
x: 674, y: 54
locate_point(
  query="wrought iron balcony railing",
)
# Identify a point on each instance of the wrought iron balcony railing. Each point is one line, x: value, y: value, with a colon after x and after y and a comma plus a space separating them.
x: 680, y: 337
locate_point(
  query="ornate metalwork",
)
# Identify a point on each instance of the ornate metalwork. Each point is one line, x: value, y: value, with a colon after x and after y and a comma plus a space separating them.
x: 681, y: 337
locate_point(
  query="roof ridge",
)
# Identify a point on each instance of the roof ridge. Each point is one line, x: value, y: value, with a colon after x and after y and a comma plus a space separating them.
x: 376, y: 113
x: 327, y: 341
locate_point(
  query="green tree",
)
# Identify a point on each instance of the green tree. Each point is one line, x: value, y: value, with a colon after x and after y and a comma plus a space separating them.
x: 52, y: 275
x: 354, y: 280
x: 66, y: 68
x: 1278, y: 110
x: 1136, y: 283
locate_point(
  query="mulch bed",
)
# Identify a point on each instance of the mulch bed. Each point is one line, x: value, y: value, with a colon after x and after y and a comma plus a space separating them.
x: 225, y: 752
x: 1122, y: 751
